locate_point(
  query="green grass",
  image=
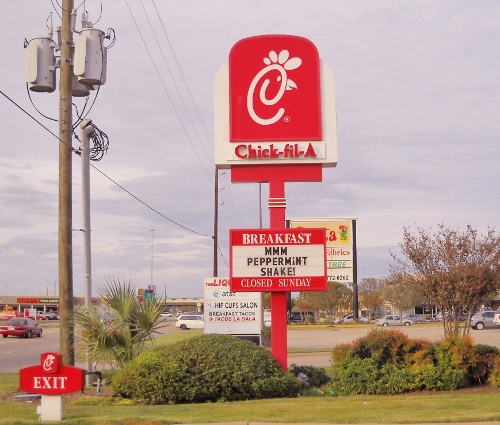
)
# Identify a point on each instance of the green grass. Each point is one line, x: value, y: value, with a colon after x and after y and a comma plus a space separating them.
x: 472, y: 405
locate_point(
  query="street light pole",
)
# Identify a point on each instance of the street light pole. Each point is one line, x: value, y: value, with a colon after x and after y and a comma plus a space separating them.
x: 86, y: 129
x: 152, y: 230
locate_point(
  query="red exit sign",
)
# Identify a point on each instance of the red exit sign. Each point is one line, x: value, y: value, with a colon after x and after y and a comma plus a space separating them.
x: 51, y: 377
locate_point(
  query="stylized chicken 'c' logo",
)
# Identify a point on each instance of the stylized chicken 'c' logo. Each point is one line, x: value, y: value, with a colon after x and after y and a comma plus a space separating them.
x: 280, y: 63
x: 49, y: 363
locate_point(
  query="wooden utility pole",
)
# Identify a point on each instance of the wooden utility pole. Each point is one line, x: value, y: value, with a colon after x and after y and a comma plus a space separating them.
x: 67, y: 327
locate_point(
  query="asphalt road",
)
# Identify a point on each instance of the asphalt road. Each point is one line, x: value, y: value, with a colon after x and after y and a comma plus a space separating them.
x: 16, y: 353
x: 330, y: 337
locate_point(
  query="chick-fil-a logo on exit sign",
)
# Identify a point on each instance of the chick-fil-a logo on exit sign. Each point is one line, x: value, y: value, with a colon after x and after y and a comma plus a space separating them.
x: 274, y: 89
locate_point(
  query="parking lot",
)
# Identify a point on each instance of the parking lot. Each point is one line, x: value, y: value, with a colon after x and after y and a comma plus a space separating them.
x: 16, y: 353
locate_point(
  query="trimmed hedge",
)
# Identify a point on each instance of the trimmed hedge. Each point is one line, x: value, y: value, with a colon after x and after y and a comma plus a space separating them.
x: 202, y: 369
x: 388, y: 362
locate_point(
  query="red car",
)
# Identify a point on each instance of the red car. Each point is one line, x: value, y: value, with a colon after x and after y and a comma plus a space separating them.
x: 20, y: 326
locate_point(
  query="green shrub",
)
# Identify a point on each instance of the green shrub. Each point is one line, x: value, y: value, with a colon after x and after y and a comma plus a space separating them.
x: 394, y: 380
x: 487, y: 356
x: 316, y: 377
x: 494, y: 378
x: 388, y: 362
x: 387, y: 347
x: 438, y: 378
x: 205, y: 368
x: 146, y: 379
x: 357, y: 376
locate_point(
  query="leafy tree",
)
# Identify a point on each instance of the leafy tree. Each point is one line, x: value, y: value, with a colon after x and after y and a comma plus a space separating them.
x: 370, y: 294
x: 400, y: 292
x: 123, y: 331
x: 454, y: 269
x: 336, y: 296
x: 345, y: 297
x: 303, y: 302
x: 267, y: 300
x: 316, y: 301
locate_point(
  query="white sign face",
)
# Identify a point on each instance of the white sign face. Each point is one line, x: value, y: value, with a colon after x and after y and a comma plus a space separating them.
x: 229, y: 312
x: 277, y: 260
x: 339, y: 262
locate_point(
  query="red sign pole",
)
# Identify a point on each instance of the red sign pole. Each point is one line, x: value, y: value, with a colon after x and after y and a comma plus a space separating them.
x: 277, y: 175
x: 277, y: 207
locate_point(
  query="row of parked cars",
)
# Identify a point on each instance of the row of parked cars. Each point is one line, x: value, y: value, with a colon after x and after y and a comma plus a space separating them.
x: 480, y: 320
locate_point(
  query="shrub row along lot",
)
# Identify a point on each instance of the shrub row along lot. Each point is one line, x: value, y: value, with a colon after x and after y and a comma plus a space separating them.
x: 19, y: 352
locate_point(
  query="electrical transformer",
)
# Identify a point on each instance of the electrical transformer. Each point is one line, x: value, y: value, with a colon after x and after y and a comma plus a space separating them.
x: 40, y: 65
x: 90, y: 57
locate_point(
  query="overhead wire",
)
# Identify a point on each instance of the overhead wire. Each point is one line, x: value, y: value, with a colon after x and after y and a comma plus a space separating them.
x: 173, y: 79
x: 188, y: 89
x: 36, y: 109
x: 165, y: 88
x: 104, y: 174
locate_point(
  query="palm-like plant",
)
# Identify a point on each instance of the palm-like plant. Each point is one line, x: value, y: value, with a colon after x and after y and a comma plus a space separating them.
x: 127, y: 328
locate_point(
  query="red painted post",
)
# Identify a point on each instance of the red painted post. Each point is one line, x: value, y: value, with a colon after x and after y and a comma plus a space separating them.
x: 277, y: 207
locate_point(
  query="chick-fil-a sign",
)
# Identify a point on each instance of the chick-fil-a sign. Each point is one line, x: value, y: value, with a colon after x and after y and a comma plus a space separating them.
x: 275, y: 105
x: 51, y: 377
x: 274, y: 89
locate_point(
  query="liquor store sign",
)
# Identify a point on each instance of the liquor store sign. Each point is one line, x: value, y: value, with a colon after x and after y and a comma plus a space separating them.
x: 269, y: 260
x: 229, y: 312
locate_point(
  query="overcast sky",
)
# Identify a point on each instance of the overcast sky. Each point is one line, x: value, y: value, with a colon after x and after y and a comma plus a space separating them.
x: 418, y: 125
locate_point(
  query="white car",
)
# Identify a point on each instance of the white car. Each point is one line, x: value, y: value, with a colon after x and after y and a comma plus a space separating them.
x: 496, y: 317
x: 350, y: 319
x: 190, y: 321
x: 392, y: 320
x: 166, y: 314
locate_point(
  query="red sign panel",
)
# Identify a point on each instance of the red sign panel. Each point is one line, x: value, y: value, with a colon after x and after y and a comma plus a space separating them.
x: 267, y: 260
x: 274, y: 89
x: 51, y: 377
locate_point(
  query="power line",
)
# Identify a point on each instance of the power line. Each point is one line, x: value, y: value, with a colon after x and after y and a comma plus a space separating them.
x: 104, y: 174
x: 165, y: 89
x: 188, y: 89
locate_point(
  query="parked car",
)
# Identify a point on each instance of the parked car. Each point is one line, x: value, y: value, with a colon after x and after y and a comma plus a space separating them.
x: 496, y: 317
x: 439, y: 317
x: 54, y: 315
x: 166, y: 314
x: 350, y: 319
x: 190, y: 321
x: 20, y: 326
x: 481, y: 320
x: 417, y: 318
x: 298, y: 316
x: 40, y: 315
x: 392, y: 320
x: 49, y: 315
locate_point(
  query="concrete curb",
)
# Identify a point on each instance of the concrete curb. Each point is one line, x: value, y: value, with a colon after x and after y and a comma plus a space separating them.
x: 381, y: 423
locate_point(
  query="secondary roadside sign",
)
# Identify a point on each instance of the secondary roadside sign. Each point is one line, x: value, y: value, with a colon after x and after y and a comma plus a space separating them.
x: 340, y: 245
x: 269, y: 260
x: 229, y: 312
